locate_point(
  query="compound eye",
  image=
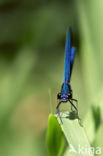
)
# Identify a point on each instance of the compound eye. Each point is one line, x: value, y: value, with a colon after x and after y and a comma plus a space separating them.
x: 59, y: 96
x: 69, y: 96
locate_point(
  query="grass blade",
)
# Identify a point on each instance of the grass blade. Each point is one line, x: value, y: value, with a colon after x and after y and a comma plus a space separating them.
x: 75, y: 135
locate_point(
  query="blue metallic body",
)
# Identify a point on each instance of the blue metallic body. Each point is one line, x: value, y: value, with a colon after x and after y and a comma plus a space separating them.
x: 68, y: 64
x: 66, y: 92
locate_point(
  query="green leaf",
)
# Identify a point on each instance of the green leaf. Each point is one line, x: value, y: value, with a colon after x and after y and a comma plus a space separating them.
x: 98, y: 142
x: 68, y: 153
x: 55, y: 137
x: 93, y: 120
x: 75, y: 134
x: 89, y: 125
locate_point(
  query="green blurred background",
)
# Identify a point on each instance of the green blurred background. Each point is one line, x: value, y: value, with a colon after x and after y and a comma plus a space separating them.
x: 32, y: 41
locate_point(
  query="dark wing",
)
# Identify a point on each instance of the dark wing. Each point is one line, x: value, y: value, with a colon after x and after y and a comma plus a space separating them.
x: 67, y: 60
x: 73, y: 50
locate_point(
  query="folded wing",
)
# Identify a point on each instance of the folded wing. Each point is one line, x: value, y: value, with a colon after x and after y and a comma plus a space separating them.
x: 73, y: 50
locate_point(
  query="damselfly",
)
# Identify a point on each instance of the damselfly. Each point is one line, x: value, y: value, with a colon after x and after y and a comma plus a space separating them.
x: 66, y: 92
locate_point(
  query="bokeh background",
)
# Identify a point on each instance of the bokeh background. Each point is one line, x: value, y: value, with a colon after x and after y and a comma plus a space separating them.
x: 32, y: 43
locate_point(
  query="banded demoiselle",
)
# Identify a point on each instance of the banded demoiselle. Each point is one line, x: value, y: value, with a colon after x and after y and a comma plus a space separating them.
x: 66, y: 92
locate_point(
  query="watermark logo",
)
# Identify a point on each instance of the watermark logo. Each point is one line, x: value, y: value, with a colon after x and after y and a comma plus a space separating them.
x: 85, y: 150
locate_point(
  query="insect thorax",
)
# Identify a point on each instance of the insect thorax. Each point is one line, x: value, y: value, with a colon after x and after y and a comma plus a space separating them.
x: 66, y: 88
x: 66, y: 92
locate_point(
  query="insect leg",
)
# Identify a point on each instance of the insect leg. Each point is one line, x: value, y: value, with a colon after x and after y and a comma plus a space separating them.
x: 76, y: 102
x: 58, y: 112
x: 73, y: 106
x: 75, y: 109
